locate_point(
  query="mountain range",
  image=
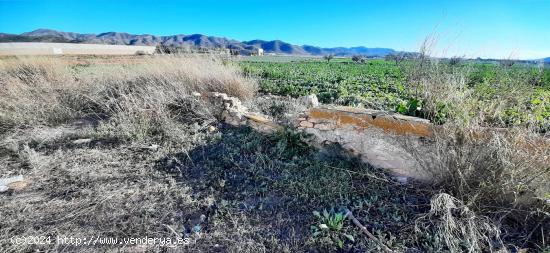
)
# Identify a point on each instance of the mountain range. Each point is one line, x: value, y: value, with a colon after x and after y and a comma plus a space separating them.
x: 193, y: 40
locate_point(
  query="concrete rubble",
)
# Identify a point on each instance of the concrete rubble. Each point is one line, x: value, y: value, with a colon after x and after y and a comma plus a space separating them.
x: 14, y: 183
x: 373, y: 136
x: 400, y: 144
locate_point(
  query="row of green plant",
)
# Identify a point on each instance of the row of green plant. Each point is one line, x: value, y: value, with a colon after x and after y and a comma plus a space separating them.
x: 509, y: 96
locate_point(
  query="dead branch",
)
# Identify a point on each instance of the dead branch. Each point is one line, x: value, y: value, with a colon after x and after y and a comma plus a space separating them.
x: 355, y: 221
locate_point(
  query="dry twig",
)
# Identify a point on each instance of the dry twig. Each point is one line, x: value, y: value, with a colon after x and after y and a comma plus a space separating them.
x: 355, y: 221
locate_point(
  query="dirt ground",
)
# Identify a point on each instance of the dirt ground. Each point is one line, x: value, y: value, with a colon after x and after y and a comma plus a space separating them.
x: 236, y: 191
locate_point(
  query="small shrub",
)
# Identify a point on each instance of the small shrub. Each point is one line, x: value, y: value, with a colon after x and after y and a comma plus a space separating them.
x: 507, y: 63
x: 451, y: 225
x: 411, y: 107
x: 328, y: 229
x: 290, y: 143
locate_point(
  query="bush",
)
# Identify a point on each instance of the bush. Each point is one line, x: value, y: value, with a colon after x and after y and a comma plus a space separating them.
x: 495, y: 173
x: 358, y: 59
x: 507, y: 63
x: 501, y: 174
x: 451, y: 225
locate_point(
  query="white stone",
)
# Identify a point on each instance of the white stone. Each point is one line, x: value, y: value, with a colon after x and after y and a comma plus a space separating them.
x: 310, y: 100
x: 4, y: 188
x: 5, y: 182
x: 9, y: 180
x: 153, y: 147
x: 82, y: 141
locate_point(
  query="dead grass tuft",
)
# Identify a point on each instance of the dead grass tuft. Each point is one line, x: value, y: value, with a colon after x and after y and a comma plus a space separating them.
x: 501, y: 173
x: 451, y: 225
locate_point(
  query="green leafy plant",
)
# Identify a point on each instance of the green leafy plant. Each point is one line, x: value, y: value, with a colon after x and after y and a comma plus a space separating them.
x: 289, y: 142
x: 409, y: 107
x: 329, y: 229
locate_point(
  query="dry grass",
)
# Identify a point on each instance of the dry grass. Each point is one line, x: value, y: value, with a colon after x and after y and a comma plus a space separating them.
x: 90, y: 192
x: 498, y: 173
x: 49, y: 91
x: 453, y: 226
x: 451, y: 93
x: 503, y: 175
x: 108, y: 187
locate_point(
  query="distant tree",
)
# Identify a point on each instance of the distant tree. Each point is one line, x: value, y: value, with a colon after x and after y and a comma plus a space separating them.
x: 233, y: 50
x: 164, y: 49
x: 358, y: 59
x: 172, y: 49
x: 328, y: 57
x: 455, y: 60
x: 507, y: 63
x: 398, y: 58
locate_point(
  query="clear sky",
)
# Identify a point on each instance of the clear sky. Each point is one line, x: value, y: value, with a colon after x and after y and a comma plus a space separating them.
x: 485, y: 28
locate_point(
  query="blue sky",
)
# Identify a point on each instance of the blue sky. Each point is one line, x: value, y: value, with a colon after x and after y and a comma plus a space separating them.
x: 486, y: 28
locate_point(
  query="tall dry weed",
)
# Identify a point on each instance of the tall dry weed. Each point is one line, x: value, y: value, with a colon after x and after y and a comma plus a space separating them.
x: 133, y: 96
x: 499, y: 173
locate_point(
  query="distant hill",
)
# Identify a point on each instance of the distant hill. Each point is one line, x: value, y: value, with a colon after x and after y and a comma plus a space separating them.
x: 546, y: 60
x: 194, y: 40
x: 4, y: 37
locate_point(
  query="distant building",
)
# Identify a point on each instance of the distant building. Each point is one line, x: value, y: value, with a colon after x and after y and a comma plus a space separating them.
x: 249, y: 51
x: 257, y: 51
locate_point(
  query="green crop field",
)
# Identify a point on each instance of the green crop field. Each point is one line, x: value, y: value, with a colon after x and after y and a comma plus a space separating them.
x: 510, y: 96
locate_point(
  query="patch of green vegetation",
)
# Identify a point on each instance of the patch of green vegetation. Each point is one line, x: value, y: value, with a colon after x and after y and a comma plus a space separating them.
x: 329, y: 228
x: 511, y: 96
x: 377, y: 83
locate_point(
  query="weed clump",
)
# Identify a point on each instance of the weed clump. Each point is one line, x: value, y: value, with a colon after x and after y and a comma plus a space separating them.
x: 451, y: 225
x: 501, y: 173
